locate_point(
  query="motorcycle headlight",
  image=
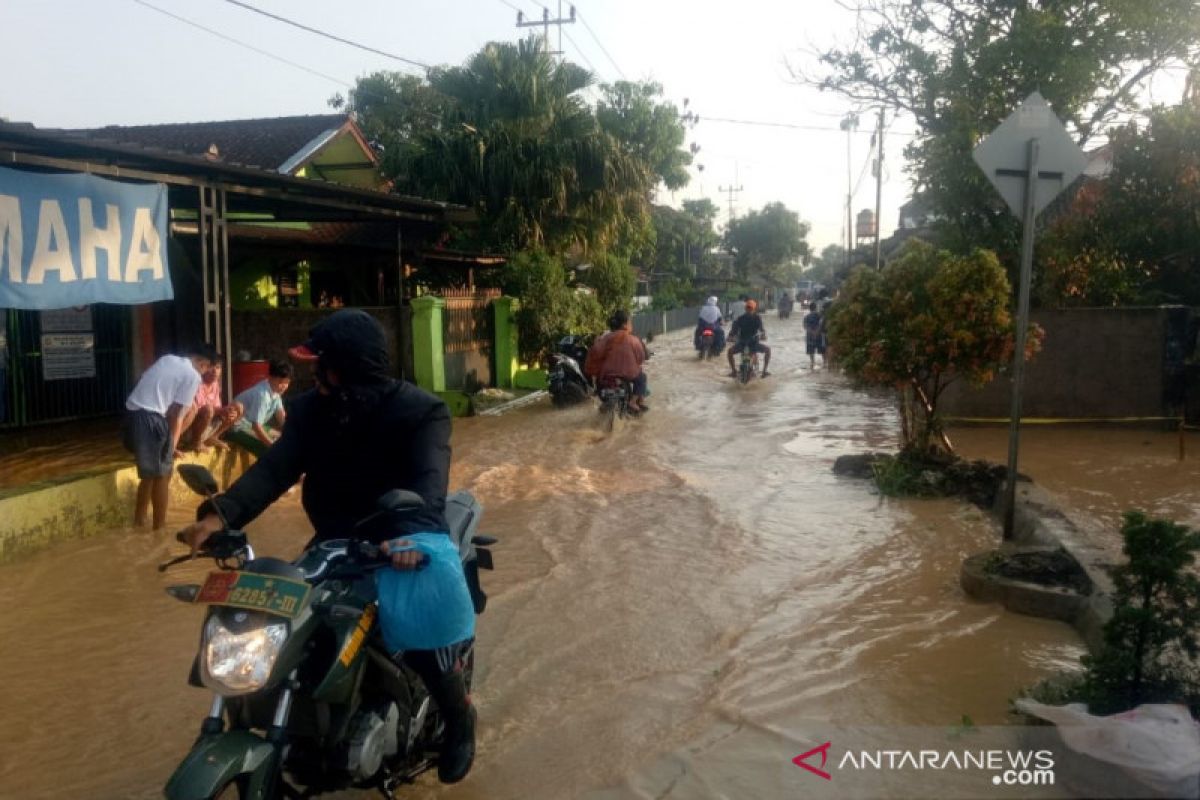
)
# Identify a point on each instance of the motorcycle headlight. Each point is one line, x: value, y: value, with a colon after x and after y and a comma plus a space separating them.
x: 239, y: 663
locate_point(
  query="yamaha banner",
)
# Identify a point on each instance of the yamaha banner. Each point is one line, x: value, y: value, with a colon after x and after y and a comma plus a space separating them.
x: 73, y: 240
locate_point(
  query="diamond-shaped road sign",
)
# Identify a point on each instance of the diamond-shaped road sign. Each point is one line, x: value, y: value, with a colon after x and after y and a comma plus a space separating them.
x: 1003, y: 155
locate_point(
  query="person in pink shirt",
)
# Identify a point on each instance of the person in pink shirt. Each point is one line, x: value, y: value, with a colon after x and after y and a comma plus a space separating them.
x: 208, y: 419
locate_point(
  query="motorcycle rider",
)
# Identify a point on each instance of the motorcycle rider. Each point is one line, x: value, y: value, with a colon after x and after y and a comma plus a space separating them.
x: 745, y: 332
x: 620, y: 354
x: 710, y: 317
x: 357, y: 435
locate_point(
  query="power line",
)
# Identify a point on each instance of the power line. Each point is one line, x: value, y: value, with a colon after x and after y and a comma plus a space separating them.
x: 582, y: 55
x: 794, y: 126
x: 327, y: 35
x: 246, y: 45
x: 596, y: 38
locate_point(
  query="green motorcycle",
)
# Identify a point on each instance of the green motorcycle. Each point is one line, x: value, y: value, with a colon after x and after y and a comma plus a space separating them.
x: 306, y: 698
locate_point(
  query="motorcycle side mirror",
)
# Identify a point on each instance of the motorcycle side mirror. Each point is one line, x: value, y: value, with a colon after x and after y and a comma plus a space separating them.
x: 198, y: 479
x: 185, y: 592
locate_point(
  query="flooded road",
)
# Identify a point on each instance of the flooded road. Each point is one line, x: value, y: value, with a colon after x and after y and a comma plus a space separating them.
x: 673, y: 604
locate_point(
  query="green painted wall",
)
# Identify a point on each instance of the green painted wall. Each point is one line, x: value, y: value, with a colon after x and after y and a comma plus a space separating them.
x: 429, y: 354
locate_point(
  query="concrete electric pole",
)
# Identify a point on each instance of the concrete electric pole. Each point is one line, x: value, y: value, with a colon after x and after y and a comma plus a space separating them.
x: 544, y: 23
x: 849, y: 124
x: 879, y: 193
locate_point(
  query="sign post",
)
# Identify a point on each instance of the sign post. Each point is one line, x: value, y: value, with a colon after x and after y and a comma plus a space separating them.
x: 1029, y: 147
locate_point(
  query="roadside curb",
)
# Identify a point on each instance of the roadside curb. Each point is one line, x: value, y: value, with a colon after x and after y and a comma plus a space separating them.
x: 1040, y: 525
x: 511, y: 405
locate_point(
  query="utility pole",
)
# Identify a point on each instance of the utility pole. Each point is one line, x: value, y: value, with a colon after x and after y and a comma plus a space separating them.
x: 545, y: 22
x: 879, y: 193
x: 731, y: 190
x: 848, y: 124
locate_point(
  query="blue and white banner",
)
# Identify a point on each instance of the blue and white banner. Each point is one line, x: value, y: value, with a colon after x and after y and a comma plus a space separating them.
x: 72, y: 240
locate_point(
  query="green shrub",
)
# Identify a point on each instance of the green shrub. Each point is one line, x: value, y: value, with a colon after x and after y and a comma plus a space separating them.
x: 548, y: 308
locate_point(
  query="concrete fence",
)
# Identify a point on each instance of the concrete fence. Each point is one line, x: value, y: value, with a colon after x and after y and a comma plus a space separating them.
x: 649, y: 324
x: 1098, y: 363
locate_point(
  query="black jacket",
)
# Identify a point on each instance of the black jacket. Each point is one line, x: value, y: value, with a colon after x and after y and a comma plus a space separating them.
x: 397, y: 436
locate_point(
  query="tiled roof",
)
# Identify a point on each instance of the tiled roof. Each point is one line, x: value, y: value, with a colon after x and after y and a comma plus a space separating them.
x: 266, y: 143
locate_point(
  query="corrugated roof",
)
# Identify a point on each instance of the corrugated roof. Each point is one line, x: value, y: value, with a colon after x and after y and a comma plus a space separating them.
x: 267, y: 143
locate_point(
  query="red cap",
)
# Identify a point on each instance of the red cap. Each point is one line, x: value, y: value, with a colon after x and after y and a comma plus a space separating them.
x: 302, y: 352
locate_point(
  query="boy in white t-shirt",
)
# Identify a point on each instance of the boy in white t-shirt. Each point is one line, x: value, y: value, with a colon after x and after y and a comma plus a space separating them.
x: 154, y: 421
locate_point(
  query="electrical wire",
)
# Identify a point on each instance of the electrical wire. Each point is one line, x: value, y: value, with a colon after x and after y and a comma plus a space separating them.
x: 327, y: 35
x: 596, y: 38
x: 246, y: 45
x: 797, y: 126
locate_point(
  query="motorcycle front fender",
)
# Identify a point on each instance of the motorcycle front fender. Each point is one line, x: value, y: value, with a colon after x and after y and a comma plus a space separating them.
x: 216, y: 760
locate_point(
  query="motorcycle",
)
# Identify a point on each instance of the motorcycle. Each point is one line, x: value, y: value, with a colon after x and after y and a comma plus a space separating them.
x: 304, y: 689
x: 614, y: 394
x: 710, y: 344
x: 748, y: 363
x: 567, y: 383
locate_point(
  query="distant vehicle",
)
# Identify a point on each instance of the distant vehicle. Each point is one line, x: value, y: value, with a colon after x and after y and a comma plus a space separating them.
x: 804, y: 290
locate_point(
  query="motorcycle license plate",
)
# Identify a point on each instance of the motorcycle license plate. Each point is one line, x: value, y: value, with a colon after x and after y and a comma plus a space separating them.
x: 255, y: 592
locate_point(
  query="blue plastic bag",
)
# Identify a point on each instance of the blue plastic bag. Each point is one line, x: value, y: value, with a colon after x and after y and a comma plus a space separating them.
x: 428, y: 607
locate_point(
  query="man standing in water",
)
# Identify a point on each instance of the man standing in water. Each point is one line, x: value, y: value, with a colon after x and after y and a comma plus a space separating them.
x: 154, y: 421
x: 814, y: 336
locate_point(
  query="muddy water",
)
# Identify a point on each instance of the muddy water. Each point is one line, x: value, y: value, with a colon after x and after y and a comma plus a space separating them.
x: 1099, y: 473
x: 673, y: 603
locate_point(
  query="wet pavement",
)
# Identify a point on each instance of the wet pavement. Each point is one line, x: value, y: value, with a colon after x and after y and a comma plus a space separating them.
x: 676, y: 605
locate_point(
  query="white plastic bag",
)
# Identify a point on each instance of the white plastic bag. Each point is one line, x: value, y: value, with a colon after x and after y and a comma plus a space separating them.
x: 1156, y: 744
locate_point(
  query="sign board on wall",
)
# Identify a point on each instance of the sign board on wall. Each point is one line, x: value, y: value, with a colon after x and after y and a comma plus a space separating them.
x: 66, y: 320
x: 74, y: 239
x: 68, y: 355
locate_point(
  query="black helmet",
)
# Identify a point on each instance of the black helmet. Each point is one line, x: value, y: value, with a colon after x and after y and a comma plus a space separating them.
x: 350, y: 342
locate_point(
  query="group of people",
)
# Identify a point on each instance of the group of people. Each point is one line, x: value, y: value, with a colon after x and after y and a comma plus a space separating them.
x: 747, y: 329
x: 176, y: 406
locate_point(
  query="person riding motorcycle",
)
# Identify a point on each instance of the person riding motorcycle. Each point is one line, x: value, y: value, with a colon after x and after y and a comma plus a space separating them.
x: 745, y: 332
x: 357, y: 435
x: 710, y: 317
x: 620, y: 354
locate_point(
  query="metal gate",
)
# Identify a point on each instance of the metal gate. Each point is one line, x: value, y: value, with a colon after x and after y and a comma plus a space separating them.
x: 30, y: 398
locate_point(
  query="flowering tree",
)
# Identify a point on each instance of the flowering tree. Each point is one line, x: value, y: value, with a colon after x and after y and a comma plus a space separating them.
x: 927, y: 319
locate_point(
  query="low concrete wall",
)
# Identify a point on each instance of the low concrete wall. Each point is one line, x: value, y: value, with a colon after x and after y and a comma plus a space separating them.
x: 1095, y: 363
x: 38, y: 515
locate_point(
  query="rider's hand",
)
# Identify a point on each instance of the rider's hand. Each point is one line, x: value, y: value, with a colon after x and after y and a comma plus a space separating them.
x: 198, y: 532
x: 403, y: 559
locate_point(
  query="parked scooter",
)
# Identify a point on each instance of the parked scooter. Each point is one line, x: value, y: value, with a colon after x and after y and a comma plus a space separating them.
x: 568, y: 385
x: 305, y: 692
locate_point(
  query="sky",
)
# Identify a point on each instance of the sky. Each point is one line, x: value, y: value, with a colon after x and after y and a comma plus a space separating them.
x: 88, y: 63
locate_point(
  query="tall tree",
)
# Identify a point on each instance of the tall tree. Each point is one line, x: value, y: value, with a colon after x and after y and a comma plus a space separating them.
x: 960, y: 66
x: 510, y: 135
x: 683, y: 238
x: 1135, y: 236
x: 653, y: 130
x: 771, y: 242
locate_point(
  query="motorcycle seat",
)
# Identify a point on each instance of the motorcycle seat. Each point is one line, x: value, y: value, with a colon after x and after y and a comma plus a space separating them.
x: 461, y: 510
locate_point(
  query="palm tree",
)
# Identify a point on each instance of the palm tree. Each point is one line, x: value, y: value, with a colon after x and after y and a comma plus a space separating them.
x: 519, y: 144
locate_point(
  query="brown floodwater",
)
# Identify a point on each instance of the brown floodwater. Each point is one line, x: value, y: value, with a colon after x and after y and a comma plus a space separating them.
x: 673, y: 604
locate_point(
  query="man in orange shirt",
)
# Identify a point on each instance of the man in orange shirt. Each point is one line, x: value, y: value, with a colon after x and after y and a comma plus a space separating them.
x: 620, y: 354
